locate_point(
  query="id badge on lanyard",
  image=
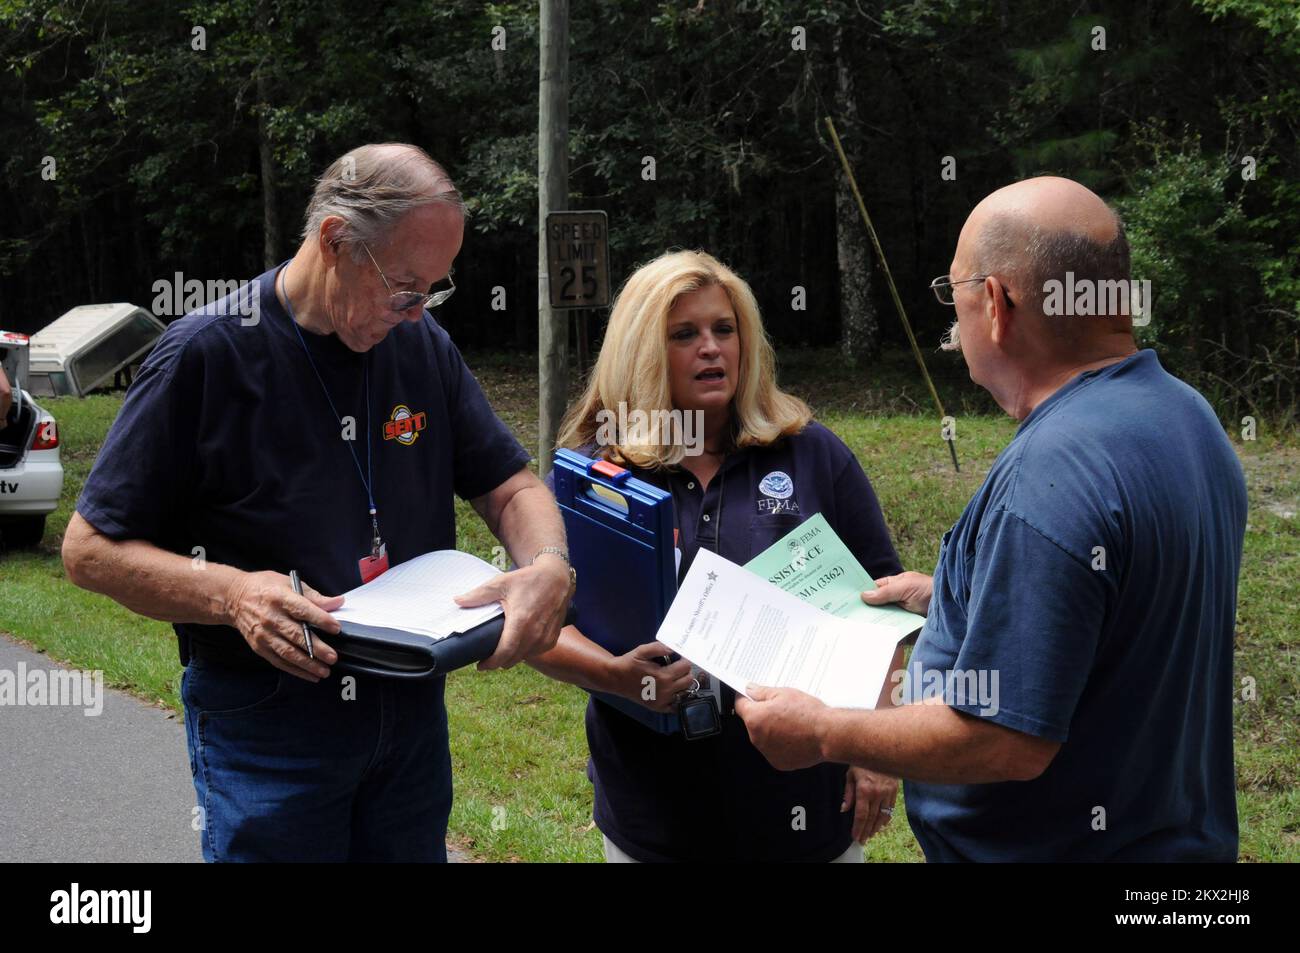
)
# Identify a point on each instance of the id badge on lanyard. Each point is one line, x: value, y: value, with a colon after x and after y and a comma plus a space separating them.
x: 373, y: 565
x: 376, y: 564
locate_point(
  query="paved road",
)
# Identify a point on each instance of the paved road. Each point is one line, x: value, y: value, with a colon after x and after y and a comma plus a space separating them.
x: 111, y: 787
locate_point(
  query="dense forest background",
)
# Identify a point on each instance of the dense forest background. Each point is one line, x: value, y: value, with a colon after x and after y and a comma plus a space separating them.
x: 144, y: 138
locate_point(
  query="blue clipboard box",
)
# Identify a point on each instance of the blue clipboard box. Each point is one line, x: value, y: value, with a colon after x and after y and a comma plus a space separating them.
x: 620, y: 533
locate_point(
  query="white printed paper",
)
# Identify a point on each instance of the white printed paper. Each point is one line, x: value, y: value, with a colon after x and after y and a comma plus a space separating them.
x: 746, y: 631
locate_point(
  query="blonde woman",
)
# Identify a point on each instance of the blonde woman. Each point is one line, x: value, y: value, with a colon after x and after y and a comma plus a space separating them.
x: 685, y: 334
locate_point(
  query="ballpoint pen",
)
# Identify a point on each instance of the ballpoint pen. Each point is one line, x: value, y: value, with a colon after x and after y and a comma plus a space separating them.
x: 306, y: 632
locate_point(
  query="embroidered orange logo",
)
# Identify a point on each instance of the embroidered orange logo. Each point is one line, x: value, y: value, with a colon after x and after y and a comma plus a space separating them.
x: 405, y: 426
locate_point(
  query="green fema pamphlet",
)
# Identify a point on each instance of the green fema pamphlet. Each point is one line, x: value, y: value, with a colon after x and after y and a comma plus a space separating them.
x: 811, y: 562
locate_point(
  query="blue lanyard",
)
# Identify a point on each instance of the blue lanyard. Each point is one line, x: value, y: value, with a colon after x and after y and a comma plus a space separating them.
x: 368, y: 476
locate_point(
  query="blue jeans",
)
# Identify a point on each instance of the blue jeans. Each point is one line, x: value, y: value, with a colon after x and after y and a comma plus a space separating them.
x: 290, y: 771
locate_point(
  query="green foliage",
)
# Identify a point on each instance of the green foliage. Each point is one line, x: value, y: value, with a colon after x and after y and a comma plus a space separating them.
x: 1180, y: 216
x: 159, y: 167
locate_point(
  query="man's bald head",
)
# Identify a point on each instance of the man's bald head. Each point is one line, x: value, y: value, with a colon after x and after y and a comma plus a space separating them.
x: 1041, y: 287
x: 1034, y: 232
x: 1054, y: 204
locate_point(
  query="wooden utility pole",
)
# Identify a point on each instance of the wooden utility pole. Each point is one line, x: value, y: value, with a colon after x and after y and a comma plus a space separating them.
x: 552, y: 196
x: 859, y: 327
x: 271, y: 240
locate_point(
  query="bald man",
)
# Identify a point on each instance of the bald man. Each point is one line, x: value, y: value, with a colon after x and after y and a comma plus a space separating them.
x: 1070, y: 696
x: 258, y: 440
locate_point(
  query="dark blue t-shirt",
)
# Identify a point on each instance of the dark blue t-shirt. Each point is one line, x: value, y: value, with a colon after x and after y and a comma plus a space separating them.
x: 663, y: 798
x: 226, y: 449
x: 1095, y: 572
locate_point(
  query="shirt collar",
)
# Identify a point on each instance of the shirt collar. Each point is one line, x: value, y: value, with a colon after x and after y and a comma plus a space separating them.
x: 1141, y: 358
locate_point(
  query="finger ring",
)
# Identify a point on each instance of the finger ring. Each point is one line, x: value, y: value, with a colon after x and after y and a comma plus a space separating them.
x: 695, y: 685
x: 887, y: 810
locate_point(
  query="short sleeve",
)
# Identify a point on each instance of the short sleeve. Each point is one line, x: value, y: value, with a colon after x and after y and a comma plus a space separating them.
x: 1033, y: 624
x: 486, y: 452
x: 859, y: 521
x: 139, y: 485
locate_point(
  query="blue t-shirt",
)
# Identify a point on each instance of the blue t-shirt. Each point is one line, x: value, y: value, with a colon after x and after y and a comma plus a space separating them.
x: 226, y: 450
x: 1095, y: 573
x: 663, y: 798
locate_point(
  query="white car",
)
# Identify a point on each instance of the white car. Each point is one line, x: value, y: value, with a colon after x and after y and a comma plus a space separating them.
x: 31, y: 474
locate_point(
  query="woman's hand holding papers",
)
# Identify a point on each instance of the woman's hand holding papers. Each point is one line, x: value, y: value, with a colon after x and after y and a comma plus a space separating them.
x: 911, y: 590
x: 269, y: 615
x: 638, y: 675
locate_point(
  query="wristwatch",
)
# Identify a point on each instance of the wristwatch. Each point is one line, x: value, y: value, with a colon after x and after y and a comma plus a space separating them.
x: 557, y: 551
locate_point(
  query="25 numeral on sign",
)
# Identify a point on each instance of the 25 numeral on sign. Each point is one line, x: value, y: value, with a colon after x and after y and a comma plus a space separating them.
x: 589, y: 283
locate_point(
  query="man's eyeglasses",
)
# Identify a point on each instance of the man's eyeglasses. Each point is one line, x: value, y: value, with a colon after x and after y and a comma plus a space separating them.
x: 943, y: 288
x: 405, y: 300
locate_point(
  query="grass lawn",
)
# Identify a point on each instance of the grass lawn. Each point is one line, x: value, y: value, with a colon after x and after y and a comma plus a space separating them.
x: 517, y: 738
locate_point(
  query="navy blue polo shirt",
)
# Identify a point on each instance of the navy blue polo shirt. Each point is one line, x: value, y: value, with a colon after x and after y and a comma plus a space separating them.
x: 662, y: 798
x: 227, y: 450
x: 1095, y: 573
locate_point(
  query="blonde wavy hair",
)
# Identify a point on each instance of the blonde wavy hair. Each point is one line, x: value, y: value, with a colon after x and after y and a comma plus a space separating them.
x: 633, y: 364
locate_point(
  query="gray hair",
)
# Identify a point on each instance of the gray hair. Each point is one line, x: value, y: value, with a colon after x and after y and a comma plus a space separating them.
x: 951, y: 340
x: 372, y: 187
x: 1010, y: 244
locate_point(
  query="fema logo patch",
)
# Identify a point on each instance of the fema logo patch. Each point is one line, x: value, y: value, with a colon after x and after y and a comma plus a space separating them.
x: 777, y: 488
x: 777, y: 485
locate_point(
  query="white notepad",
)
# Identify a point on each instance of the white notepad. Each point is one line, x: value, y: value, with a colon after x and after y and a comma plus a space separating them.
x: 417, y: 596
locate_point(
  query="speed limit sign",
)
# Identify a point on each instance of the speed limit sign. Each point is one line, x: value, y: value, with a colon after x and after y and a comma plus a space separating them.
x: 577, y: 256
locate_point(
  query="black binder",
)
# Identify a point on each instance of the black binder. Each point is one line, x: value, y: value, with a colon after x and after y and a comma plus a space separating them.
x: 391, y: 653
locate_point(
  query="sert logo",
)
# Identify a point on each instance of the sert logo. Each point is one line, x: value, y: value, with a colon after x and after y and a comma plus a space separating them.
x: 405, y: 426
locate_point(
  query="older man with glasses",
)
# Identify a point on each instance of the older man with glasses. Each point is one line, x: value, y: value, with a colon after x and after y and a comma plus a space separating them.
x: 1070, y: 695
x: 256, y: 440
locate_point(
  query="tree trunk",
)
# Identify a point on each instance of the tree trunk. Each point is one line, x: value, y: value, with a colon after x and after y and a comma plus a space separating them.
x: 271, y: 240
x: 859, y: 325
x: 552, y: 196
